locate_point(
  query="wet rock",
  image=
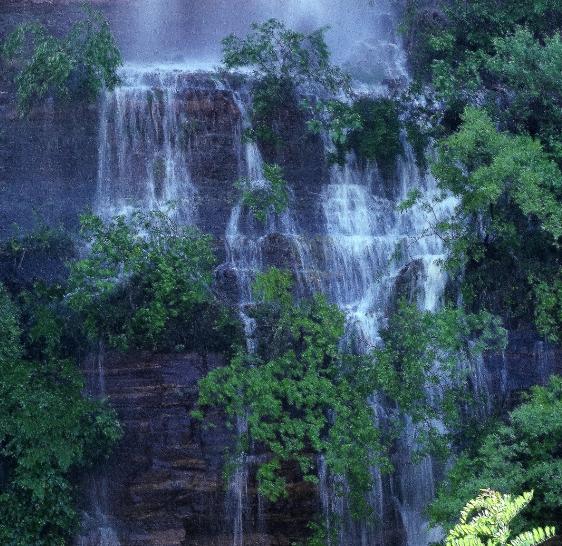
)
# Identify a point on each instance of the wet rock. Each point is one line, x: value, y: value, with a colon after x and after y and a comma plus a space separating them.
x: 164, y: 482
x: 527, y: 361
x: 408, y: 283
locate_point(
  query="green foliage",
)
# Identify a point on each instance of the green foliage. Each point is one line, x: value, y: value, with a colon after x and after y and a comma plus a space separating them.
x: 301, y: 396
x: 270, y: 97
x: 298, y: 393
x: 509, y: 214
x: 378, y: 139
x: 48, y: 431
x: 486, y: 520
x: 464, y: 30
x: 145, y: 282
x: 521, y: 455
x: 78, y: 65
x: 283, y: 63
x: 155, y: 276
x: 483, y: 166
x: 505, y: 58
x: 526, y: 96
x: 518, y: 82
x: 10, y: 349
x: 262, y: 196
x: 274, y: 288
x: 275, y: 52
x: 321, y: 534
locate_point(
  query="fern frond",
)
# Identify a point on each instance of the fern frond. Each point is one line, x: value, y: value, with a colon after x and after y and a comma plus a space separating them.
x: 485, y: 521
x: 534, y: 537
x: 466, y: 541
x: 512, y: 507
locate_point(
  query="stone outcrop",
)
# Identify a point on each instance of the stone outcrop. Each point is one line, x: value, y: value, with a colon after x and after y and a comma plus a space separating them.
x: 164, y: 482
x: 527, y: 361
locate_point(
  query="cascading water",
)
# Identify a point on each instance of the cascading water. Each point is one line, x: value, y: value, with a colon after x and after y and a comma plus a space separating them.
x: 145, y: 162
x: 143, y: 157
x: 364, y: 230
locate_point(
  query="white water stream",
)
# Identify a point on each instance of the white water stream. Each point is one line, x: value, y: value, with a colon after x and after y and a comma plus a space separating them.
x: 144, y: 162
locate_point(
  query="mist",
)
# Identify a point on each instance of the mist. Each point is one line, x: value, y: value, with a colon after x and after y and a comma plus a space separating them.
x: 189, y: 31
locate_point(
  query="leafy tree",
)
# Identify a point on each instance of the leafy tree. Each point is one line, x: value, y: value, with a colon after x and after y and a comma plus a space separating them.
x: 525, y: 82
x: 484, y: 167
x: 79, y: 64
x: 301, y: 396
x: 262, y: 196
x: 48, y: 431
x: 155, y: 276
x: 508, y: 220
x: 485, y: 521
x: 518, y: 83
x: 501, y: 56
x: 275, y: 52
x: 460, y: 31
x: 284, y: 63
x: 501, y: 156
x: 518, y: 456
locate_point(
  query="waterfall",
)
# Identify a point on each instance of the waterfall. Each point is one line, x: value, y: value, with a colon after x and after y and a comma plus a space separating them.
x: 143, y: 157
x: 361, y: 238
x: 98, y: 529
x: 363, y: 232
x: 237, y: 495
x: 145, y: 162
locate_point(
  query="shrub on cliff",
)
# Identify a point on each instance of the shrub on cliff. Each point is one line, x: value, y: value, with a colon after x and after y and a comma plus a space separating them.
x: 284, y: 63
x: 146, y: 284
x: 48, y: 431
x: 523, y: 454
x: 79, y: 64
x: 370, y: 127
x: 299, y: 395
x: 276, y: 52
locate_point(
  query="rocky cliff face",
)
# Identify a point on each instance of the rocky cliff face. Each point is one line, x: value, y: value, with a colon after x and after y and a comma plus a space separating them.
x: 163, y: 485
